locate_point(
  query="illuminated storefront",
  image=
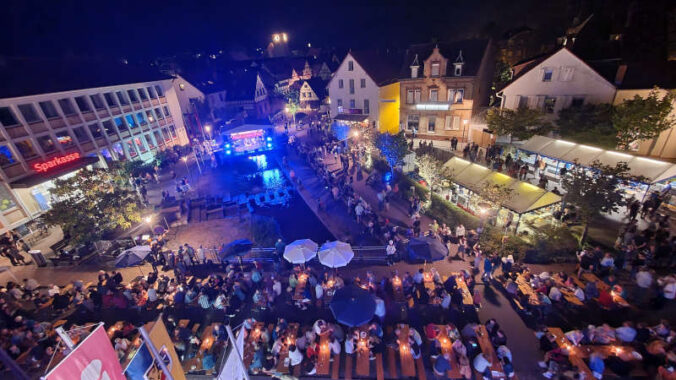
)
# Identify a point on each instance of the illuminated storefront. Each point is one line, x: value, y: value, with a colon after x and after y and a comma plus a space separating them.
x: 526, y: 204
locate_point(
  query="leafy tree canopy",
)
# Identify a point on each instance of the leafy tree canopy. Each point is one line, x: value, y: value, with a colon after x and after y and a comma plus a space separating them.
x: 392, y: 147
x: 521, y: 123
x: 641, y: 118
x: 588, y: 124
x: 89, y: 204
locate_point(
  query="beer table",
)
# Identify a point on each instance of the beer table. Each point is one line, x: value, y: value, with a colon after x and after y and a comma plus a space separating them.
x: 407, y: 362
x: 489, y: 351
x: 324, y: 357
x: 363, y: 353
x: 447, y: 348
x: 291, y: 333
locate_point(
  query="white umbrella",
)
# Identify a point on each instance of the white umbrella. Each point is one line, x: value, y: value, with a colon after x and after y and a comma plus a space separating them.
x: 300, y: 251
x: 335, y: 254
x: 132, y: 256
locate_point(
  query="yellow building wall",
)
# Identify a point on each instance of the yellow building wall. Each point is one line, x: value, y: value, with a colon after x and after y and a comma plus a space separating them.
x: 388, y: 115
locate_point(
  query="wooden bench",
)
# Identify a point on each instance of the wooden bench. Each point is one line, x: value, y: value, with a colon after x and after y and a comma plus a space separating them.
x: 421, y: 369
x: 348, y: 367
x: 335, y: 370
x: 380, y: 371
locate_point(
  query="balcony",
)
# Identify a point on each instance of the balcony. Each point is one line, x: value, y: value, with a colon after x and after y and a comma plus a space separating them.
x: 163, y: 99
x: 57, y: 122
x: 115, y: 110
x: 16, y: 131
x: 102, y: 113
x: 155, y: 102
x: 88, y: 116
x: 37, y: 127
x: 74, y: 119
x: 87, y: 146
x: 126, y: 108
x: 146, y: 103
x: 101, y: 141
x: 137, y: 106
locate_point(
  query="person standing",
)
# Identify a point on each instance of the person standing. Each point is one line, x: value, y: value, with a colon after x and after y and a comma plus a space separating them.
x: 390, y: 251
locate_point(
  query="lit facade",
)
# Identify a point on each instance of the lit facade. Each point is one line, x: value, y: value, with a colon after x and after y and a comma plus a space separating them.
x: 51, y: 135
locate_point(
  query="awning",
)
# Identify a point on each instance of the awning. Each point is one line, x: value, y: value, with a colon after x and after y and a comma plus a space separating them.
x: 653, y: 170
x: 525, y: 197
x: 351, y: 117
x: 38, y: 178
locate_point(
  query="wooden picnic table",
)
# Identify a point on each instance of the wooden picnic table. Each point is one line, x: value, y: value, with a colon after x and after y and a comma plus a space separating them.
x: 591, y: 277
x: 488, y: 351
x: 447, y: 348
x: 183, y: 323
x: 324, y: 356
x: 527, y: 290
x: 407, y: 362
x: 254, y: 334
x: 300, y: 287
x: 398, y: 289
x: 291, y: 333
x: 363, y: 353
x: 467, y: 299
x: 195, y: 364
x: 573, y: 353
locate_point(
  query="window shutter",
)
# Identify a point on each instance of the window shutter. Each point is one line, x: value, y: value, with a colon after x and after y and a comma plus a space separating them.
x: 540, y: 102
x: 533, y: 102
x: 447, y: 124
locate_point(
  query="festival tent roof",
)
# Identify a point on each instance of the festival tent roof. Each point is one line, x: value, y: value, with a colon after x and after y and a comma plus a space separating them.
x: 525, y: 197
x: 653, y: 170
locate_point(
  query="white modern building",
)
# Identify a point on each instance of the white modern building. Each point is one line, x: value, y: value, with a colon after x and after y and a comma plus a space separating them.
x: 554, y: 82
x: 58, y: 117
x: 362, y: 84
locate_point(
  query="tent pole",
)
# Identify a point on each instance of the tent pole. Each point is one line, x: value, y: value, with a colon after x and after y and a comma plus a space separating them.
x: 155, y: 353
x: 231, y: 335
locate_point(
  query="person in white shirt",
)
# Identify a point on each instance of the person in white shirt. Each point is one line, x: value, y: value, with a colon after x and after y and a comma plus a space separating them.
x: 200, y: 254
x: 295, y: 356
x: 334, y: 345
x: 482, y: 365
x: 579, y: 293
x: 349, y: 346
x: 418, y: 277
x: 30, y: 284
x: 277, y: 287
x: 380, y: 309
x: 460, y: 231
x: 53, y: 290
x: 390, y: 251
x: 445, y: 300
x: 644, y: 279
x: 668, y: 285
x: 554, y: 294
x: 152, y: 295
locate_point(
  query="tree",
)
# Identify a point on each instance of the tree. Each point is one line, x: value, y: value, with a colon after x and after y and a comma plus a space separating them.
x: 501, y: 76
x: 393, y: 148
x: 521, y: 123
x: 495, y: 194
x: 90, y: 204
x: 595, y: 190
x: 588, y: 124
x: 430, y: 169
x: 643, y: 118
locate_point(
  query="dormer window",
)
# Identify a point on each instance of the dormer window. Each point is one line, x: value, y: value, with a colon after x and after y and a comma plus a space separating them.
x: 457, y: 69
x: 435, y: 69
x: 414, y: 71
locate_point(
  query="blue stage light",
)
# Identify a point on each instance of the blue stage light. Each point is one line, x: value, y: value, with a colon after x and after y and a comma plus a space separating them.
x: 228, y: 151
x: 269, y: 138
x: 227, y: 145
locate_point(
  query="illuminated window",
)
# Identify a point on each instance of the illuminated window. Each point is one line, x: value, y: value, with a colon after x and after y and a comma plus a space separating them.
x: 353, y: 104
x: 64, y: 139
x: 173, y: 131
x: 6, y: 156
x: 131, y: 149
x: 165, y: 133
x: 435, y: 69
x: 149, y: 141
x: 141, y: 118
x: 25, y: 147
x: 130, y: 121
x: 181, y: 86
x: 412, y: 122
x: 96, y: 131
x: 119, y: 123
x: 46, y: 143
x: 150, y: 116
x: 431, y: 123
x: 158, y: 137
x: 139, y: 144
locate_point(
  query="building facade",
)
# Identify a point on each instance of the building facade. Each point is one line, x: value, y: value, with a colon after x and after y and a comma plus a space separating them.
x: 442, y: 87
x: 554, y: 82
x: 45, y: 136
x: 362, y: 85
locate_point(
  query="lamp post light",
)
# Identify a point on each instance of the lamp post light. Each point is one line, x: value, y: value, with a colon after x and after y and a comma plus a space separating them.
x: 207, y: 129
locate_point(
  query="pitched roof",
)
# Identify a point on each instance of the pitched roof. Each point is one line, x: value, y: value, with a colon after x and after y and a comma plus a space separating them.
x: 318, y: 85
x: 381, y: 66
x: 32, y: 76
x: 638, y: 75
x: 240, y: 85
x: 472, y: 53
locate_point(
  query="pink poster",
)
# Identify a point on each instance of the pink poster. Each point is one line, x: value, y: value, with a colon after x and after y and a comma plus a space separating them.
x: 93, y: 359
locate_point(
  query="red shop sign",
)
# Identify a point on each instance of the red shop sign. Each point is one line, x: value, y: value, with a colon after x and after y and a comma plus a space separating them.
x: 45, y: 166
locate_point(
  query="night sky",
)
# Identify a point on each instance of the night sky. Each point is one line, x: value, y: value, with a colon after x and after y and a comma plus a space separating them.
x: 147, y: 28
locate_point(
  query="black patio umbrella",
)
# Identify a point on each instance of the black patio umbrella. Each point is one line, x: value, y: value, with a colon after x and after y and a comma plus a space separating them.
x: 426, y: 249
x: 353, y: 306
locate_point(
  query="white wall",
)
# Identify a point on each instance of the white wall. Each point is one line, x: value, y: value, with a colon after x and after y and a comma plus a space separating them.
x: 585, y: 83
x: 370, y: 92
x: 186, y: 91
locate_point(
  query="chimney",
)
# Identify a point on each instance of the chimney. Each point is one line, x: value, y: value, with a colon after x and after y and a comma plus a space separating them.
x: 619, y: 75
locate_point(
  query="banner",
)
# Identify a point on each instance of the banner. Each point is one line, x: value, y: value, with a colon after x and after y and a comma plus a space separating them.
x: 233, y: 369
x: 143, y: 366
x: 93, y: 359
